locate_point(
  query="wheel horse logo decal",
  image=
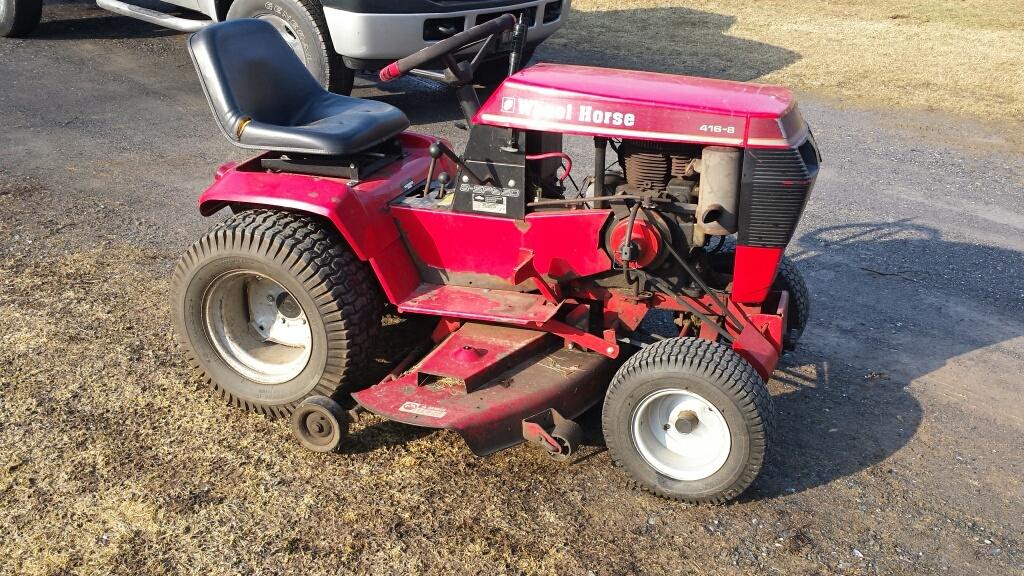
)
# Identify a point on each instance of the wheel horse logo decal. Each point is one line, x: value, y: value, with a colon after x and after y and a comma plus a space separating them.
x: 565, y: 112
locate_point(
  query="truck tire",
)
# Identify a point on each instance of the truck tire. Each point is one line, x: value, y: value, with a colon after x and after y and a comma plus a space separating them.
x: 19, y: 17
x: 688, y: 419
x: 302, y: 24
x: 274, y: 307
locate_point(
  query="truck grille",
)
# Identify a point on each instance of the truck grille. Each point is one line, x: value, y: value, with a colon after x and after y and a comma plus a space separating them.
x: 773, y: 193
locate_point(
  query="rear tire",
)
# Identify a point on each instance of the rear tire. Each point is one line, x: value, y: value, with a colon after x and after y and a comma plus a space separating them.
x: 688, y: 419
x: 274, y: 307
x: 19, y: 17
x: 302, y: 24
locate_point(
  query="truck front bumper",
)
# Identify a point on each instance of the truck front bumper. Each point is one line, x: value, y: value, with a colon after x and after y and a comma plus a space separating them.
x: 371, y: 34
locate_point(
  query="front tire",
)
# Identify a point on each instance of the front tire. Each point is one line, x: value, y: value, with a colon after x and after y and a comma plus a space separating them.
x: 274, y: 307
x: 688, y: 419
x: 19, y: 17
x: 788, y: 278
x: 301, y: 23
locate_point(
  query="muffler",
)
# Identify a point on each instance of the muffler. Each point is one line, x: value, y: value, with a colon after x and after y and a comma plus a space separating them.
x: 718, y: 201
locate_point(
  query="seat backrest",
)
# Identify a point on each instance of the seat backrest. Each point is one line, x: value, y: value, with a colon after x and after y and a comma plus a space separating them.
x: 249, y: 72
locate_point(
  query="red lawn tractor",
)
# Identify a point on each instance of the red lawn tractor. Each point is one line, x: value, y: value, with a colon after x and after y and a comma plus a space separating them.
x: 539, y: 286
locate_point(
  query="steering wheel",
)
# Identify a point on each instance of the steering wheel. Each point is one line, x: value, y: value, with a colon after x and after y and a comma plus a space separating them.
x: 445, y: 48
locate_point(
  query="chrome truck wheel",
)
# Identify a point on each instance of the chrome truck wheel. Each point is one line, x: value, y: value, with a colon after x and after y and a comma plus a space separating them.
x: 288, y: 30
x: 688, y: 419
x: 274, y: 307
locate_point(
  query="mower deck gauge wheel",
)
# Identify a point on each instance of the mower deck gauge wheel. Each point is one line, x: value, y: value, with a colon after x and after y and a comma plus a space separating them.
x: 569, y: 436
x: 320, y: 424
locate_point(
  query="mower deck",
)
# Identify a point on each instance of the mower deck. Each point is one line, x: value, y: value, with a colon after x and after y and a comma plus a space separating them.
x: 479, y: 304
x: 484, y: 380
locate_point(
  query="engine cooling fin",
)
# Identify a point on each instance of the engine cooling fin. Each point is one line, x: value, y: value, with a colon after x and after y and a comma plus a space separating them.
x: 647, y: 170
x: 650, y: 165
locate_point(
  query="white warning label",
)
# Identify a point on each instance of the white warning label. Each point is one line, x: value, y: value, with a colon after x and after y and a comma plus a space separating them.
x: 491, y: 199
x: 488, y: 203
x: 422, y: 410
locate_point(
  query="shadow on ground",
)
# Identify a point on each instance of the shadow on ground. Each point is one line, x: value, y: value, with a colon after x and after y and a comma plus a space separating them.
x: 706, y: 49
x: 673, y: 40
x: 848, y: 406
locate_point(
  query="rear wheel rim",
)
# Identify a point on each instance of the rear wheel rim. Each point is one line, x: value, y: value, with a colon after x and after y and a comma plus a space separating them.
x: 257, y: 327
x: 285, y: 29
x: 680, y: 434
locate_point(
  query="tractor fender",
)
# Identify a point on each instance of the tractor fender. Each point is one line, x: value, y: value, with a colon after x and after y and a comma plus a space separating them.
x: 328, y: 198
x: 359, y: 210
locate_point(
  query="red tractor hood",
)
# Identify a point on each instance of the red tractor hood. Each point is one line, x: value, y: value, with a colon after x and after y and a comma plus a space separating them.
x: 644, y: 105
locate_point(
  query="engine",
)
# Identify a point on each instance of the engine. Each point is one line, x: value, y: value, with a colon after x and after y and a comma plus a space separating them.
x: 702, y: 183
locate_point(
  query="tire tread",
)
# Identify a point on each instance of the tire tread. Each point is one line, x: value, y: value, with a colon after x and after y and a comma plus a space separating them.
x: 338, y: 78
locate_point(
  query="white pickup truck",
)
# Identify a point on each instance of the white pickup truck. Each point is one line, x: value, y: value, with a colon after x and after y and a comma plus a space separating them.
x: 336, y: 37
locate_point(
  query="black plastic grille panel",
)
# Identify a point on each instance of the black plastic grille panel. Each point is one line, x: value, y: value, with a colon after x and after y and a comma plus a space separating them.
x: 773, y: 193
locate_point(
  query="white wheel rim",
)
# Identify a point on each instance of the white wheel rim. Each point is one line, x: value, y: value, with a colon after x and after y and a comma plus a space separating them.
x: 257, y: 327
x: 659, y: 424
x: 284, y: 28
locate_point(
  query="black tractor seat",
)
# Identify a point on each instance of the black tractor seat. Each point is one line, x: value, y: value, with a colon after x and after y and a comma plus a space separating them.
x: 264, y: 98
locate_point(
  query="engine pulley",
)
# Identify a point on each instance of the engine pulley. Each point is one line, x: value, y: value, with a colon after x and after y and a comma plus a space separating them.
x: 646, y: 239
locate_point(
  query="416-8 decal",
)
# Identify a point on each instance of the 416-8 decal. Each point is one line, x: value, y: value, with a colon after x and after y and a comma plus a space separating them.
x: 717, y: 129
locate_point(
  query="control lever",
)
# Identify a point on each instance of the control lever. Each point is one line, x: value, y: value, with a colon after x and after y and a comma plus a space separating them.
x: 515, y: 63
x: 515, y: 59
x: 443, y: 179
x: 438, y: 148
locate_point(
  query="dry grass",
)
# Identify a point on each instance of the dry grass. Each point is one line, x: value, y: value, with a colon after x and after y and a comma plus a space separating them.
x: 958, y: 56
x: 116, y: 459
